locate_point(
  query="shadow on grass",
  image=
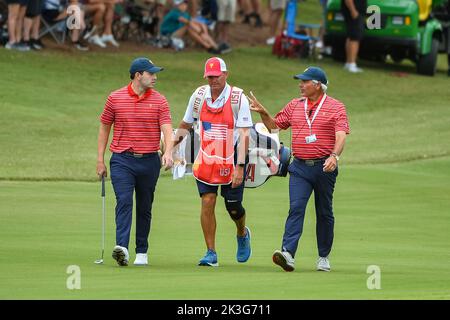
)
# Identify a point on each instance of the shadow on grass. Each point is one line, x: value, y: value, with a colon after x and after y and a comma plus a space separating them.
x: 224, y: 268
x: 404, y: 68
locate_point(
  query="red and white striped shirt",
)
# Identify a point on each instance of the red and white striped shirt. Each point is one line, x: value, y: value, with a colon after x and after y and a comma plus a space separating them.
x: 137, y: 121
x: 331, y: 118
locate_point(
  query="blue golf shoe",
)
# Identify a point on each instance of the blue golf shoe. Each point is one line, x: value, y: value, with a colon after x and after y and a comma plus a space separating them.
x: 244, y: 250
x: 210, y: 259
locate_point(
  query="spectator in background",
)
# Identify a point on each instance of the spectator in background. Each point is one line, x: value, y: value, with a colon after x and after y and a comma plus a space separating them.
x: 354, y: 13
x: 96, y: 9
x: 320, y: 44
x: 323, y: 3
x: 160, y: 11
x: 226, y: 16
x: 178, y: 22
x: 108, y: 18
x: 252, y: 9
x: 209, y: 12
x: 32, y: 24
x: 103, y: 15
x: 193, y: 7
x: 275, y: 19
x: 19, y: 26
x: 54, y: 11
x: 16, y: 14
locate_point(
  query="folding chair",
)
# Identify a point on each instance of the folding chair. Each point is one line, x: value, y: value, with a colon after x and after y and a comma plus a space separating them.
x: 56, y: 29
x: 291, y: 26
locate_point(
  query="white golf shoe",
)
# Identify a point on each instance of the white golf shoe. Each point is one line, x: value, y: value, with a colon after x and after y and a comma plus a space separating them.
x: 120, y: 254
x: 323, y: 264
x: 284, y: 259
x: 109, y: 39
x: 95, y: 39
x: 353, y: 68
x: 141, y: 259
x: 270, y: 41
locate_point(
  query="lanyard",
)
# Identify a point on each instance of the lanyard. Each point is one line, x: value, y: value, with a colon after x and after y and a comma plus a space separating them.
x: 310, y: 122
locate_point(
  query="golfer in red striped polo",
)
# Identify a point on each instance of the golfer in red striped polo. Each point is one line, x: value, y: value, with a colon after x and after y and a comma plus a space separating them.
x: 319, y: 127
x: 138, y: 114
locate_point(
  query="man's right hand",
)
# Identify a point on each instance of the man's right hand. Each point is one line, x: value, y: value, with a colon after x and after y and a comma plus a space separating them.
x: 101, y: 170
x: 255, y: 105
x: 355, y: 14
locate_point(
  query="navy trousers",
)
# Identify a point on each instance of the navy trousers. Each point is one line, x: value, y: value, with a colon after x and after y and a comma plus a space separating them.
x: 129, y: 175
x: 304, y: 179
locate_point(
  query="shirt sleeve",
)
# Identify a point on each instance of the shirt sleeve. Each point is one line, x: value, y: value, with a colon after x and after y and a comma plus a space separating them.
x: 341, y: 123
x: 164, y: 113
x: 188, y: 114
x: 107, y: 116
x: 283, y: 118
x: 187, y: 15
x: 244, y: 119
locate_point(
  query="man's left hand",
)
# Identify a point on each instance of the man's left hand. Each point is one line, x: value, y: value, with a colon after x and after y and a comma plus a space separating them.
x: 238, y: 177
x: 167, y: 160
x: 330, y: 164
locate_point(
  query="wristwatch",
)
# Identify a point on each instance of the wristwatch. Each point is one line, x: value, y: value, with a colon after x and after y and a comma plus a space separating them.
x: 334, y: 154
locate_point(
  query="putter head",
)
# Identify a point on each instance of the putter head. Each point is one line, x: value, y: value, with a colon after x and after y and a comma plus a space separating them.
x: 100, y: 261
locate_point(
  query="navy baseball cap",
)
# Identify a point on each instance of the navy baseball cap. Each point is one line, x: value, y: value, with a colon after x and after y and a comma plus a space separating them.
x: 144, y: 64
x: 313, y: 73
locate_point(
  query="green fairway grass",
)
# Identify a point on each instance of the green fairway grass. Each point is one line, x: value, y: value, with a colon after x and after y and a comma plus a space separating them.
x: 50, y: 104
x: 393, y: 216
x: 392, y: 200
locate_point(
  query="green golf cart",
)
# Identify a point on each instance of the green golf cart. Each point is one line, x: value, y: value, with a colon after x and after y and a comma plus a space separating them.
x: 406, y: 29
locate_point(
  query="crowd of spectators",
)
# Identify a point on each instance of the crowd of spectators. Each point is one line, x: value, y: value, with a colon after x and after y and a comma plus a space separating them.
x: 177, y: 23
x: 163, y: 23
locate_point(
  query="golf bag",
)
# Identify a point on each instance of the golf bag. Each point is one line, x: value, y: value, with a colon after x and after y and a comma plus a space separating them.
x: 267, y: 157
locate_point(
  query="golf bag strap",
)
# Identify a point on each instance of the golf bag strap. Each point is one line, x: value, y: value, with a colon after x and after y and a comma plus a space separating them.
x: 198, y: 102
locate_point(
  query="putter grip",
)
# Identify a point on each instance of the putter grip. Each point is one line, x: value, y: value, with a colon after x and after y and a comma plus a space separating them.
x: 103, y: 186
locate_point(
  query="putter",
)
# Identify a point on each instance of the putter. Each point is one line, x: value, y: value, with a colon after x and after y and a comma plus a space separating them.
x: 100, y: 261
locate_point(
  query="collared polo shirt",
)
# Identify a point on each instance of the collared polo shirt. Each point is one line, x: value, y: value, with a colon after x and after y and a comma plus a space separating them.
x: 136, y: 121
x: 331, y: 118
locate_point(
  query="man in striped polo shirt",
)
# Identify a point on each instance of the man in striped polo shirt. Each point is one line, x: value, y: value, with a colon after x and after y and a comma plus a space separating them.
x: 319, y: 128
x: 139, y: 114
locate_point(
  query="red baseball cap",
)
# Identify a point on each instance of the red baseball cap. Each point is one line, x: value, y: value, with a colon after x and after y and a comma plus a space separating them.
x: 214, y: 67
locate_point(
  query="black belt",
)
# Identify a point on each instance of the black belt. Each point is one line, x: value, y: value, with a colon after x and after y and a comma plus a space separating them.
x: 311, y: 162
x: 139, y: 155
